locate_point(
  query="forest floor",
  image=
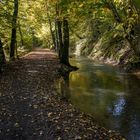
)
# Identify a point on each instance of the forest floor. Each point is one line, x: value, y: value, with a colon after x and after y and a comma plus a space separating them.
x: 31, y: 109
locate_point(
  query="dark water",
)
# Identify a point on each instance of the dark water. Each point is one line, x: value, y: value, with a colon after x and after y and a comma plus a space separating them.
x: 111, y: 97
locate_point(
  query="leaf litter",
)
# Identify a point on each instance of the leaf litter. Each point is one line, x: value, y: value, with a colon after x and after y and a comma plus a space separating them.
x: 31, y: 109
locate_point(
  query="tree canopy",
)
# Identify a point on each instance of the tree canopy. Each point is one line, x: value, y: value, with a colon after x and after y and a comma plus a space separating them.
x: 40, y: 23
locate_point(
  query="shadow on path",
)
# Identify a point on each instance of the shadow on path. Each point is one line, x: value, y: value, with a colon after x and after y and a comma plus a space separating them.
x: 24, y: 87
x: 30, y: 108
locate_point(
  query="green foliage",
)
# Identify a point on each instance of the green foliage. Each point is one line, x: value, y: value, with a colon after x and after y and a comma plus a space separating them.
x: 90, y: 20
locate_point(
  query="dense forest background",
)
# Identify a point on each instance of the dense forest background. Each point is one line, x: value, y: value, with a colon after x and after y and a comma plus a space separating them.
x: 105, y: 30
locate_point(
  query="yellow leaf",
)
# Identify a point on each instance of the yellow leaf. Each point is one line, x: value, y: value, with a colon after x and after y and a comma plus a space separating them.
x: 81, y: 5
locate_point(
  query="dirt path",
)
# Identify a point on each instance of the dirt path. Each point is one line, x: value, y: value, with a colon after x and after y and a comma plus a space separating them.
x: 30, y: 108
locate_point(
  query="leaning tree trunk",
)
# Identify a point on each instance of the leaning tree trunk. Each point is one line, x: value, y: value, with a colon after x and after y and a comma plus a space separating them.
x: 112, y: 6
x: 133, y: 36
x: 2, y: 56
x: 14, y: 28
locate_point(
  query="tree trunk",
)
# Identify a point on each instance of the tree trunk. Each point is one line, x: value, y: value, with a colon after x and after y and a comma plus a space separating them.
x: 51, y: 31
x: 14, y: 27
x: 62, y: 37
x: 111, y: 6
x: 60, y: 40
x: 2, y: 56
x: 65, y: 49
x: 56, y: 36
x: 16, y: 51
x: 132, y: 37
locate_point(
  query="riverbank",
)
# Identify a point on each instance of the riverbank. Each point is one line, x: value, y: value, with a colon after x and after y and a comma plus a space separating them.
x: 31, y: 108
x: 131, y: 68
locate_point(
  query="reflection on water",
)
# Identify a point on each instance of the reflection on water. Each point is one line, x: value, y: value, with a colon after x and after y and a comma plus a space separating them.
x: 113, y: 98
x: 118, y: 106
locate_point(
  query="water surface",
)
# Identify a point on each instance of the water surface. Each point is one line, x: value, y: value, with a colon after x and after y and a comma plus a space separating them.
x: 110, y: 96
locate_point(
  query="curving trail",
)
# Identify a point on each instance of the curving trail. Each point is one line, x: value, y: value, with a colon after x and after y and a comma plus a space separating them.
x: 30, y: 108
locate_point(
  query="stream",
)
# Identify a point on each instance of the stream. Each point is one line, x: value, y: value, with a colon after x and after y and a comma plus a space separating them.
x: 110, y: 96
